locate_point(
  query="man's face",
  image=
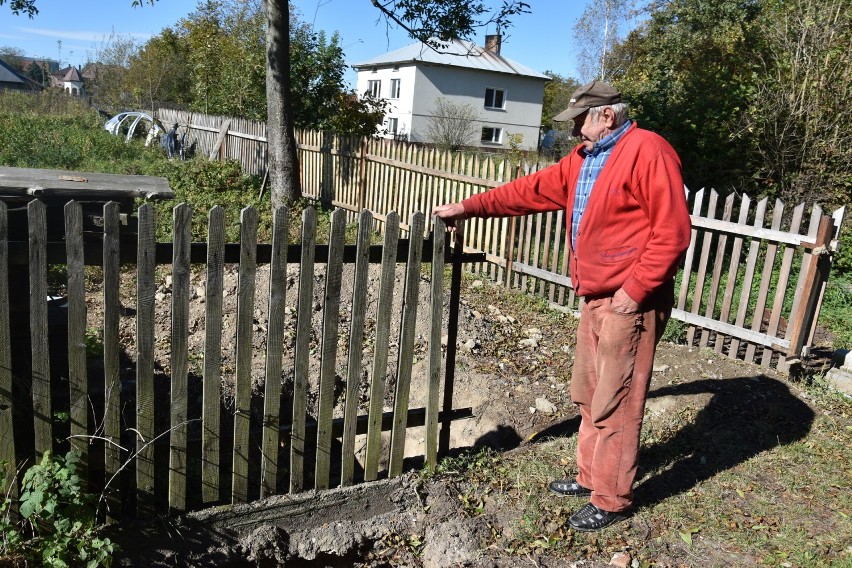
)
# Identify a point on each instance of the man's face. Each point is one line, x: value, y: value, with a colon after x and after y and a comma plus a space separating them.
x: 591, y: 131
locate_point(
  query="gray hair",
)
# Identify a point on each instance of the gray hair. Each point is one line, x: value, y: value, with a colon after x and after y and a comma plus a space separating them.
x: 618, y: 109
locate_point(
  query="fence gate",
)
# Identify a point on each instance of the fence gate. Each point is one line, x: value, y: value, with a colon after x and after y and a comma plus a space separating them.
x: 164, y: 420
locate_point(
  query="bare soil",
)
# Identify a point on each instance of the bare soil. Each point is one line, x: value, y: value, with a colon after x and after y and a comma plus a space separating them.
x: 513, y: 371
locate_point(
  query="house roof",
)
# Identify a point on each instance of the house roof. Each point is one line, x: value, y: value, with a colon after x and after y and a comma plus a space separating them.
x: 458, y: 53
x: 73, y: 75
x: 9, y: 75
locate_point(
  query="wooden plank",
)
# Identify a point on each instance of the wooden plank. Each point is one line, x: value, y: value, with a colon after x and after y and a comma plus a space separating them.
x: 686, y: 274
x: 145, y: 292
x: 436, y: 319
x: 38, y: 182
x: 706, y: 241
x: 274, y: 352
x: 452, y: 340
x: 112, y: 352
x: 212, y: 373
x: 220, y: 139
x: 7, y: 442
x: 38, y: 329
x: 245, y: 331
x: 733, y: 270
x: 544, y: 275
x: 715, y: 279
x: 761, y: 233
x: 328, y: 359
x: 536, y: 253
x: 450, y: 176
x: 817, y: 269
x: 182, y: 217
x: 781, y: 286
x: 406, y: 344
x: 77, y: 374
x: 303, y: 338
x: 748, y: 277
x: 558, y: 231
x: 731, y: 329
x: 545, y: 255
x: 765, y: 278
x: 380, y: 354
x: 804, y: 268
x: 356, y: 348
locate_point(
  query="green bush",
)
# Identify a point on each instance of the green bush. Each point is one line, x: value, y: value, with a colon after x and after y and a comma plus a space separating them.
x: 57, y: 526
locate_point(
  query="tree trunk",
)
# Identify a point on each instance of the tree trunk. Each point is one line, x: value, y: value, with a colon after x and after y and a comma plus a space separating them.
x: 283, y: 162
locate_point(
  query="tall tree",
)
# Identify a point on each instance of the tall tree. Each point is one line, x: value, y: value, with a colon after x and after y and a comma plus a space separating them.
x: 797, y: 121
x: 13, y: 57
x: 284, y: 181
x: 691, y: 67
x: 596, y: 33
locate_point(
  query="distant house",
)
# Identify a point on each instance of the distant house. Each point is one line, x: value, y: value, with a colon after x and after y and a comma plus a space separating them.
x: 507, y: 95
x: 69, y: 80
x: 13, y: 81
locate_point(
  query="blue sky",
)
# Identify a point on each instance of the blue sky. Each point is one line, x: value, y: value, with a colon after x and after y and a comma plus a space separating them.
x: 541, y: 40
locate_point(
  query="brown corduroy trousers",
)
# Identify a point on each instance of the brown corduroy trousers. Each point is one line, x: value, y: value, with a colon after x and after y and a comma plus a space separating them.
x: 612, y: 370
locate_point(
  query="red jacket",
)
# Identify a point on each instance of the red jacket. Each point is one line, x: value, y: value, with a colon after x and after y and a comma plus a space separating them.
x: 636, y: 225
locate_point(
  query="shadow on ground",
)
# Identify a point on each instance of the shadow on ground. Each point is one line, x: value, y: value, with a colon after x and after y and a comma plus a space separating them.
x: 744, y: 417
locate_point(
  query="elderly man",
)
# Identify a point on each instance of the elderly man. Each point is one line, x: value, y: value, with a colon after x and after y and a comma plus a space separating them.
x: 623, y: 194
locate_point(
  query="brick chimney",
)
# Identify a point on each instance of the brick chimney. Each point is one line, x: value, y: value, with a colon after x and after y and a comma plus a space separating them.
x: 492, y: 43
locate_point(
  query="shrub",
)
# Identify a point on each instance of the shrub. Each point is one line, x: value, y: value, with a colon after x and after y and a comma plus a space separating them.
x: 57, y: 526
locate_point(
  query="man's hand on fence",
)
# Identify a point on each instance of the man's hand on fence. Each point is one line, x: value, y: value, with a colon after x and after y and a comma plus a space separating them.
x: 450, y: 213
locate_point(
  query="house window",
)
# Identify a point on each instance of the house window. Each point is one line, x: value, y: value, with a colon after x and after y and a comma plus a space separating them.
x: 495, y: 98
x: 492, y: 135
x: 393, y: 126
x: 374, y: 88
x: 394, y: 92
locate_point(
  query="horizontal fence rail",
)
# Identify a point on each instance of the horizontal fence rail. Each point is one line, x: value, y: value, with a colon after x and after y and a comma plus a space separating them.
x: 164, y: 433
x: 753, y: 277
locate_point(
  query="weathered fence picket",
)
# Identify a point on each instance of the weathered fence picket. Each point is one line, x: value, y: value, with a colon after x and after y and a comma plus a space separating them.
x: 242, y: 381
x: 212, y: 390
x: 77, y: 373
x: 7, y: 442
x: 274, y: 352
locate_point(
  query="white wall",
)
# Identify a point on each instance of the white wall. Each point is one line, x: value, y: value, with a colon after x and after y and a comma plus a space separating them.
x: 422, y: 84
x: 522, y: 112
x: 400, y: 108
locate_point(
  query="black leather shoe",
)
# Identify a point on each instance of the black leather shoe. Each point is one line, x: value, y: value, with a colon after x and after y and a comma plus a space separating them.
x: 569, y: 487
x: 590, y: 518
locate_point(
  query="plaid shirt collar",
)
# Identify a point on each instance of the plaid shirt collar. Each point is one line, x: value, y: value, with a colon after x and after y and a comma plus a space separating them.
x: 607, y: 142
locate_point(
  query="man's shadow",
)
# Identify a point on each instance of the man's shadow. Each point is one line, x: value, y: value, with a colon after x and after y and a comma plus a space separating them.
x: 744, y: 417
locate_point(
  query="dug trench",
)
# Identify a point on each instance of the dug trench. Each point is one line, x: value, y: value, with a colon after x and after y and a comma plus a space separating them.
x: 513, y: 371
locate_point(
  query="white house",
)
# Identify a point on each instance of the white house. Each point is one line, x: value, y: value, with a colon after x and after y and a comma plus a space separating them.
x: 507, y: 94
x: 69, y: 80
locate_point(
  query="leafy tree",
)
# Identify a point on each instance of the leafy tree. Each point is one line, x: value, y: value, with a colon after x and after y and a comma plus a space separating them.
x: 22, y: 7
x: 37, y: 73
x: 13, y: 57
x: 557, y: 97
x: 108, y: 80
x: 596, y: 34
x: 688, y: 78
x: 452, y: 126
x: 797, y: 121
x: 160, y: 71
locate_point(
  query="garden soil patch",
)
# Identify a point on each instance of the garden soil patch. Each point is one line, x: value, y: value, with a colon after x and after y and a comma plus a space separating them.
x: 513, y: 371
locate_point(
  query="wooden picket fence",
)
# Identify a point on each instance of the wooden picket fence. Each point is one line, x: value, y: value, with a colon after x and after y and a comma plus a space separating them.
x: 753, y: 278
x: 182, y: 460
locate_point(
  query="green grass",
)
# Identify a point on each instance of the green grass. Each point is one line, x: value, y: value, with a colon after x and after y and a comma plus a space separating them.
x: 787, y: 504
